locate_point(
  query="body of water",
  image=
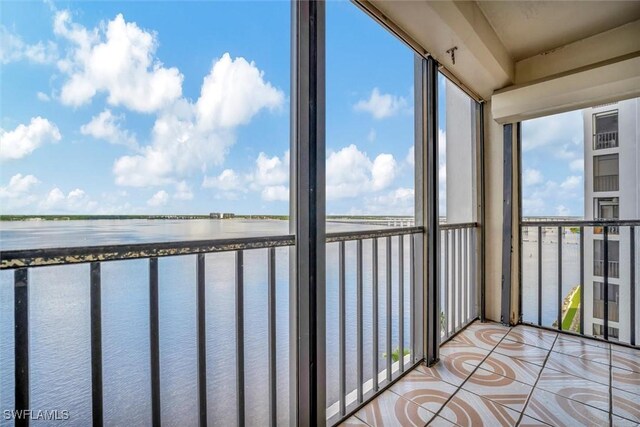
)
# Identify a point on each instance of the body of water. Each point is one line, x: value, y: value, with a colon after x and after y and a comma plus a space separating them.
x: 59, y: 322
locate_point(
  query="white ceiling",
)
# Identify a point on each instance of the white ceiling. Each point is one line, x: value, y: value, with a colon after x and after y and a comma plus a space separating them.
x: 528, y: 28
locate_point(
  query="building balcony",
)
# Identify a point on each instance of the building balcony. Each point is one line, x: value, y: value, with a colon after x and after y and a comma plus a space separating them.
x: 614, y: 268
x: 605, y: 183
x: 598, y: 310
x: 605, y: 140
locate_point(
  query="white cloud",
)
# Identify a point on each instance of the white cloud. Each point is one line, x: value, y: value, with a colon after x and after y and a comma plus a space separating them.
x: 411, y: 156
x: 117, y: 58
x: 228, y: 180
x: 383, y: 171
x: 107, y: 126
x: 381, y: 105
x: 577, y: 165
x: 183, y: 191
x: 13, y: 49
x: 571, y: 183
x: 396, y: 202
x: 275, y: 193
x: 18, y: 186
x: 234, y: 92
x: 76, y: 201
x: 562, y: 210
x: 43, y: 97
x: 189, y: 137
x: 158, y: 199
x: 24, y: 139
x: 271, y: 170
x: 558, y: 133
x: 350, y: 173
x: 532, y: 177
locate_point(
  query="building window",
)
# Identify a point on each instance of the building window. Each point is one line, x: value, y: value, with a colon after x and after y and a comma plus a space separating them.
x: 598, y: 301
x: 605, y: 133
x: 605, y: 173
x: 606, y: 209
x: 613, y: 258
x: 598, y: 331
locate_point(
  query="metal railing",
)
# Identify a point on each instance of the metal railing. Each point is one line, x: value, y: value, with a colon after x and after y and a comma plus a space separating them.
x: 598, y: 310
x: 21, y: 261
x: 384, y: 246
x: 570, y: 308
x: 604, y: 140
x: 458, y: 280
x: 605, y: 183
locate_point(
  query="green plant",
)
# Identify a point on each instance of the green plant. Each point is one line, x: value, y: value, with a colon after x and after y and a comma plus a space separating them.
x: 395, y: 354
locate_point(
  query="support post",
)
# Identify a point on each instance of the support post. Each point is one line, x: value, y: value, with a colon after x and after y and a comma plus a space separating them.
x: 507, y: 224
x: 307, y: 215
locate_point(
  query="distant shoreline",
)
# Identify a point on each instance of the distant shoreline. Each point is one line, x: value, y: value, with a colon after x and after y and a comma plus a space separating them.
x: 174, y: 217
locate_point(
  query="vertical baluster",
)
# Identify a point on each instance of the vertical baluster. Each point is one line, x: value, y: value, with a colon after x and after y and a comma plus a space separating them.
x: 446, y: 284
x: 240, y: 336
x: 374, y: 293
x: 581, y: 280
x: 539, y: 276
x: 273, y: 397
x: 21, y: 342
x: 96, y: 344
x: 559, y: 302
x: 606, y: 282
x: 401, y: 301
x: 465, y: 275
x: 632, y: 283
x: 202, y: 340
x: 341, y: 332
x: 154, y: 341
x: 359, y: 310
x: 460, y: 279
x: 388, y: 307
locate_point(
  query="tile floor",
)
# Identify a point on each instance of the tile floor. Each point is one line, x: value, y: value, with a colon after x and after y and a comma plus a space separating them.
x: 492, y: 375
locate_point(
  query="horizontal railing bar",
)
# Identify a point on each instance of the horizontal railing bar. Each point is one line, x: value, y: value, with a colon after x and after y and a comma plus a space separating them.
x: 372, y: 234
x: 583, y: 223
x: 458, y: 226
x: 82, y: 254
x: 13, y: 259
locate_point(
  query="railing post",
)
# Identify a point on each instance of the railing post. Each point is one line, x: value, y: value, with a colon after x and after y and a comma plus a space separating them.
x: 273, y: 397
x: 581, y: 280
x: 96, y: 344
x: 307, y: 215
x: 539, y: 276
x: 606, y: 281
x: 432, y: 242
x: 559, y: 320
x: 632, y: 283
x: 507, y: 224
x: 154, y: 340
x: 21, y: 342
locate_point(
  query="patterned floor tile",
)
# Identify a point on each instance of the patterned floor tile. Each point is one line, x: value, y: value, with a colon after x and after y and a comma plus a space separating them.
x: 531, y: 422
x: 425, y: 390
x: 463, y: 352
x: 626, y: 405
x: 389, y: 409
x: 453, y: 371
x: 441, y: 422
x: 468, y: 409
x: 587, y: 341
x: 625, y: 380
x: 579, y: 367
x: 582, y: 350
x: 512, y: 368
x: 499, y: 389
x: 623, y: 422
x: 532, y: 336
x: 353, y: 422
x: 522, y: 351
x: 556, y: 410
x: 576, y: 388
x: 486, y: 336
x: 624, y: 360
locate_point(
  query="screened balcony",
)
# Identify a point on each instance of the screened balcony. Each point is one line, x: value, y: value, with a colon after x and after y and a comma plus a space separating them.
x: 434, y: 318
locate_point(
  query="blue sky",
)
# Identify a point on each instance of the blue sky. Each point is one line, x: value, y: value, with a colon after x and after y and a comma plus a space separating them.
x: 166, y: 107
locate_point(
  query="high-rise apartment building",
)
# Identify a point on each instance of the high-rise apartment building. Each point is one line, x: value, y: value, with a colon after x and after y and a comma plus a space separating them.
x: 612, y: 191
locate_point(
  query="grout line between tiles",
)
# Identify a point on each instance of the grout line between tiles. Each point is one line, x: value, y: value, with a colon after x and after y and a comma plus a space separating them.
x: 469, y: 376
x: 526, y: 403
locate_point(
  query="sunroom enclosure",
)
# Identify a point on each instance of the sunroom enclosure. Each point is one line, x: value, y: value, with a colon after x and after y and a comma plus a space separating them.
x: 414, y: 287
